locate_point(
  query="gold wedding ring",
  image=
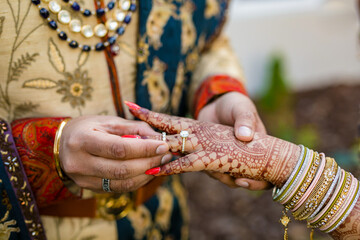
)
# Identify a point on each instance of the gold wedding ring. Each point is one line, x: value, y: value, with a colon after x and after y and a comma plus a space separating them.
x: 183, y: 135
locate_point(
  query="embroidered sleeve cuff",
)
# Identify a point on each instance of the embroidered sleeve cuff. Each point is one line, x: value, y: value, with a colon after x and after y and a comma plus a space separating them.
x: 214, y: 86
x: 34, y: 139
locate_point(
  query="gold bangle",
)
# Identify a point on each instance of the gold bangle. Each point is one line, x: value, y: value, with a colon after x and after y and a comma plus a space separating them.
x: 334, y: 205
x: 319, y: 192
x: 306, y: 182
x: 58, y: 134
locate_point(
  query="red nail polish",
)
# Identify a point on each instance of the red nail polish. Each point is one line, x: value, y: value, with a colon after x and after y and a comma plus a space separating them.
x: 132, y: 106
x: 131, y: 136
x: 153, y: 171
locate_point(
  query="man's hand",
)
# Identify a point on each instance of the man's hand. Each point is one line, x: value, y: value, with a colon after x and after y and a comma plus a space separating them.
x: 236, y: 109
x: 91, y: 148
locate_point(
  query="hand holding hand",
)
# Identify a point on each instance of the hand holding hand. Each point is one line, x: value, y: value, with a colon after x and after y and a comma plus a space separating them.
x: 236, y: 110
x: 214, y: 147
x: 91, y: 148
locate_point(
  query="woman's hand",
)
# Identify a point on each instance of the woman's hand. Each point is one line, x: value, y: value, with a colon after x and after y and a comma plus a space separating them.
x: 236, y: 110
x: 214, y: 147
x: 91, y: 148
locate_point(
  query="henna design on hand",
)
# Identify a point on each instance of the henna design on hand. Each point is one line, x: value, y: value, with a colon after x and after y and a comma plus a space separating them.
x: 214, y: 147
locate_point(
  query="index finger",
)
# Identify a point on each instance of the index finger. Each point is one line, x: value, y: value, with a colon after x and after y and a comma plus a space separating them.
x: 115, y: 147
x: 163, y: 122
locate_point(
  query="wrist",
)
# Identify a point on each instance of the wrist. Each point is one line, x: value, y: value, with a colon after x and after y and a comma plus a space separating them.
x: 56, y: 150
x: 283, y: 163
x: 70, y: 185
x: 214, y: 87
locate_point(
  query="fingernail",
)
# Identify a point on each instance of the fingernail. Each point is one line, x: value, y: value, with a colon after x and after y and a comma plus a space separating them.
x: 153, y: 171
x: 244, y: 131
x: 242, y: 184
x: 162, y: 149
x: 132, y: 106
x: 131, y: 136
x: 167, y: 158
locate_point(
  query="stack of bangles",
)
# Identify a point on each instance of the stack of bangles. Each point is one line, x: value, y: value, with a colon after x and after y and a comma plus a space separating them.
x: 318, y: 191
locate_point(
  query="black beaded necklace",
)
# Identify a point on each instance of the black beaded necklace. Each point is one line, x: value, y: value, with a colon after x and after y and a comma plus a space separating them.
x: 86, y: 12
x: 76, y: 7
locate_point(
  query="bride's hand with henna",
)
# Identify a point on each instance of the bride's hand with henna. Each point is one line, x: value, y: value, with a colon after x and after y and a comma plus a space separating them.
x: 214, y: 147
x: 236, y: 110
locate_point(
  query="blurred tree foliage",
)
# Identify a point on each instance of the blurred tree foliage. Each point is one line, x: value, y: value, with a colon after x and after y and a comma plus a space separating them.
x: 276, y: 107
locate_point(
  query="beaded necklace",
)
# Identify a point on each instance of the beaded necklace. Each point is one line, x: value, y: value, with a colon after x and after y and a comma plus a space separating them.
x: 122, y: 16
x: 87, y: 13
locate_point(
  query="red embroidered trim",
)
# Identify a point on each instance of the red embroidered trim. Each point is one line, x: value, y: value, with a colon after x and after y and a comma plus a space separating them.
x: 34, y: 139
x: 214, y: 86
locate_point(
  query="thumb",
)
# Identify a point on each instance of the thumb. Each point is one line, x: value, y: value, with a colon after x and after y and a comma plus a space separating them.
x: 245, y: 125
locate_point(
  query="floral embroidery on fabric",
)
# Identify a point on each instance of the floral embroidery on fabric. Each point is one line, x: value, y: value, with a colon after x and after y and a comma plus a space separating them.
x: 6, y: 226
x: 141, y: 221
x: 12, y: 164
x: 17, y: 66
x: 190, y: 26
x: 19, y: 182
x: 76, y: 86
x: 188, y: 30
x: 212, y: 8
x: 163, y: 214
x: 158, y: 89
x: 191, y: 60
x: 160, y: 14
x: 178, y: 88
x: 142, y: 51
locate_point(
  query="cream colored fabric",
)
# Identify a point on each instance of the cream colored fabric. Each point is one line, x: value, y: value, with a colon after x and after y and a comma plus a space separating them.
x: 38, y: 60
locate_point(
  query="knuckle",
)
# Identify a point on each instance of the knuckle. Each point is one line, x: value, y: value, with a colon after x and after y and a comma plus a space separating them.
x: 117, y: 150
x: 72, y: 143
x: 247, y: 117
x: 148, y: 150
x: 122, y: 172
x: 71, y: 167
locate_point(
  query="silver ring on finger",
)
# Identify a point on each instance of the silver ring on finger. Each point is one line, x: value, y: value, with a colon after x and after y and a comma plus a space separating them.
x: 164, y: 136
x: 106, y: 185
x: 183, y: 135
